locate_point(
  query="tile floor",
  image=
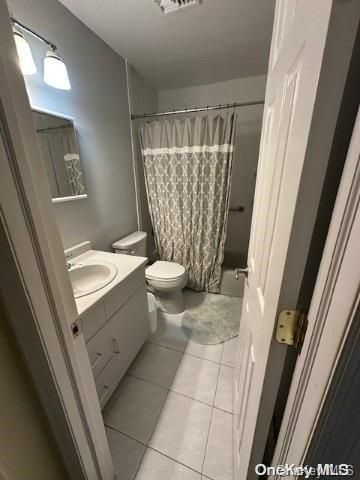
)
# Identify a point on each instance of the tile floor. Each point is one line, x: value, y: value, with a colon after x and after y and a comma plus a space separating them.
x: 171, y: 417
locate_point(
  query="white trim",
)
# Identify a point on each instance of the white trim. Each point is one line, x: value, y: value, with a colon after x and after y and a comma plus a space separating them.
x: 68, y: 199
x: 52, y: 112
x: 128, y: 67
x: 224, y: 148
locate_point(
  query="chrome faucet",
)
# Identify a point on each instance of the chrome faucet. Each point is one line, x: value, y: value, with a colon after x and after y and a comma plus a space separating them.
x: 239, y: 271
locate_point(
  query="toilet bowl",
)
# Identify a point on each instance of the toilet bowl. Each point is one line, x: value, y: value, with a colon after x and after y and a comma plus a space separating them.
x: 166, y: 279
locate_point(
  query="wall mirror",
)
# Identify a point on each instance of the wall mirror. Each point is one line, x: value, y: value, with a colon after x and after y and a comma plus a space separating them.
x: 57, y: 140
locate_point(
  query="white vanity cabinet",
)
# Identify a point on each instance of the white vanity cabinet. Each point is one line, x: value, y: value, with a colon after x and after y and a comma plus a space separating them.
x: 115, y: 328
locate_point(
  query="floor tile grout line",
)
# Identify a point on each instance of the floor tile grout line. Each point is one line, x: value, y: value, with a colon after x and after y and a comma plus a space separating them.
x: 126, y: 435
x: 134, y: 440
x: 232, y: 394
x: 207, y: 441
x: 212, y: 405
x: 222, y: 353
x: 184, y: 352
x: 154, y: 450
x: 174, y: 460
x: 165, y: 346
x: 161, y: 409
x: 139, y: 465
x: 165, y: 400
x: 148, y: 381
x: 208, y: 433
x: 147, y: 446
x: 168, y: 390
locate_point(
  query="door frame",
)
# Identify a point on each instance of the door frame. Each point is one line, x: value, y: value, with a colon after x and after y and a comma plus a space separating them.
x: 43, y: 308
x: 325, y: 341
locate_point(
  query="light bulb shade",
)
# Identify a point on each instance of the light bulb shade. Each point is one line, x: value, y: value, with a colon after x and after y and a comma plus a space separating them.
x: 55, y: 72
x: 26, y: 60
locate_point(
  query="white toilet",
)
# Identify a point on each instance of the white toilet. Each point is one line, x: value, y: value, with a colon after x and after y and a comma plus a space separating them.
x: 167, y: 279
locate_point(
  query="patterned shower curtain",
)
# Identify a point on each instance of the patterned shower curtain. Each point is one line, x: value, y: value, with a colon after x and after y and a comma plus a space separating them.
x: 188, y: 165
x: 74, y: 173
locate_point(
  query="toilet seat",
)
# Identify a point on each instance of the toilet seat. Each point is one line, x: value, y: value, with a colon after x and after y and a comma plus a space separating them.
x: 165, y: 271
x: 166, y: 275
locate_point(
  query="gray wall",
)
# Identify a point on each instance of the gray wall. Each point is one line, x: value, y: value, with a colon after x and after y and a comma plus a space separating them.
x: 144, y: 98
x: 98, y: 102
x: 248, y: 131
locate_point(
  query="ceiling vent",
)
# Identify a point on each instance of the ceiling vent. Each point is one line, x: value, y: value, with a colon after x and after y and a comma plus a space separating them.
x: 171, y: 6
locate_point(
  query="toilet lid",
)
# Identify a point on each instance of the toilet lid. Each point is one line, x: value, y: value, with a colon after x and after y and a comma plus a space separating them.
x: 164, y: 270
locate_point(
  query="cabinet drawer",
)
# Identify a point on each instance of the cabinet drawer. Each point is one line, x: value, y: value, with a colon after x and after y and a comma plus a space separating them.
x: 93, y: 320
x: 106, y: 382
x: 120, y: 294
x: 100, y: 349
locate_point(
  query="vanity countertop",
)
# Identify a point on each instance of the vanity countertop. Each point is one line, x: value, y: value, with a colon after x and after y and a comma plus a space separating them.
x: 126, y: 265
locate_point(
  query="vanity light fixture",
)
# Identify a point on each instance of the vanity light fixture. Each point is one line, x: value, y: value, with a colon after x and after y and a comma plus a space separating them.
x: 26, y: 60
x: 55, y: 71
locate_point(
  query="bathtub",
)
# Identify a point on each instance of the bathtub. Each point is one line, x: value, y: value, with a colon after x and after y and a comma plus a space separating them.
x: 233, y: 282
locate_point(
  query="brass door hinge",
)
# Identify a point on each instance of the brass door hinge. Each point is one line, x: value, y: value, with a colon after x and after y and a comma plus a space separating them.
x: 291, y: 328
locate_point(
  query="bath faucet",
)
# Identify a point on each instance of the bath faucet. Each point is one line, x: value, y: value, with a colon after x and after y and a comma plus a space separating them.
x: 238, y: 271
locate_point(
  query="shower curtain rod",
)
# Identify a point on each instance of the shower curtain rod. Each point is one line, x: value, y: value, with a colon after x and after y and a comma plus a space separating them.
x: 196, y: 109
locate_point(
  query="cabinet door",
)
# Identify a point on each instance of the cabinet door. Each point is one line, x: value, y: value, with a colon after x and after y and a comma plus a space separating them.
x: 129, y: 329
x: 125, y: 332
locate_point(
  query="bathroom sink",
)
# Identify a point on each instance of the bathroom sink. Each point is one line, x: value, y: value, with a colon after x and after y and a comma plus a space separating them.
x: 87, y: 278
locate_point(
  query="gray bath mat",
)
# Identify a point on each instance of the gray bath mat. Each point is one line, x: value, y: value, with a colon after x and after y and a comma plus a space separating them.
x: 214, y: 322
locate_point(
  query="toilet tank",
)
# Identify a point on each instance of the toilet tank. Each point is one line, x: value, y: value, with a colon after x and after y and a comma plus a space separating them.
x: 133, y: 244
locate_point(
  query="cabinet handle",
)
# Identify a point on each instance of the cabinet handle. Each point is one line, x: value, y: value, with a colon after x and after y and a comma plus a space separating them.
x: 106, y: 388
x: 116, y: 346
x: 99, y: 357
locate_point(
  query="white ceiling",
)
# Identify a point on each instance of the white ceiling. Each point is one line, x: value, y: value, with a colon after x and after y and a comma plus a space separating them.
x: 215, y: 41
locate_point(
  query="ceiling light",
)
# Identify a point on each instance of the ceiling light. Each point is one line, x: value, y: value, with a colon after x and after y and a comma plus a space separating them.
x: 55, y: 72
x: 26, y: 60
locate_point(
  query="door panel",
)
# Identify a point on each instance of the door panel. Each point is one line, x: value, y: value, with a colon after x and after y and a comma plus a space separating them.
x: 284, y: 16
x: 296, y: 59
x: 289, y: 104
x: 265, y: 156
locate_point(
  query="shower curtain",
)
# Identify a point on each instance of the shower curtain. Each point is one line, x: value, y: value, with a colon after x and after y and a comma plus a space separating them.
x: 187, y: 166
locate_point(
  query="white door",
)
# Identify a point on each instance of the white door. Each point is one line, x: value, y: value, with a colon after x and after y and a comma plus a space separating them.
x: 296, y: 57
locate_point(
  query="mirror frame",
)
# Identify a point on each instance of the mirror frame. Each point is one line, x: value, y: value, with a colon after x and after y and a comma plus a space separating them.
x: 65, y: 117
